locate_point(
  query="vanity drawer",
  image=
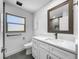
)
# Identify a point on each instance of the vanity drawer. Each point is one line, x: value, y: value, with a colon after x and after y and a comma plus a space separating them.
x: 61, y: 53
x: 44, y: 45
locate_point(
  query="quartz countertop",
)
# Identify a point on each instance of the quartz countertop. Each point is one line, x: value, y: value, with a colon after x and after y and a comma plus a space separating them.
x: 62, y: 44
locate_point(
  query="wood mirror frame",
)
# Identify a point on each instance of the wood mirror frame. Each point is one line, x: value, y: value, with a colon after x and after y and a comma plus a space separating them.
x: 70, y: 17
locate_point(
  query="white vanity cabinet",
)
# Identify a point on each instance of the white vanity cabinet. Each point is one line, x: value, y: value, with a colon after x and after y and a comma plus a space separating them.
x: 42, y: 50
x: 39, y: 50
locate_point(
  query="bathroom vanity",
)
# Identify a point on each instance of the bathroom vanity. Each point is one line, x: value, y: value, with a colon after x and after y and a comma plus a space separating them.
x: 45, y: 48
x: 60, y: 20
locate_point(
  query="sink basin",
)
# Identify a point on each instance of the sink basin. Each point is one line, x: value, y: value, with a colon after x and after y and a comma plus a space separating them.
x: 60, y: 42
x: 57, y: 41
x: 54, y: 40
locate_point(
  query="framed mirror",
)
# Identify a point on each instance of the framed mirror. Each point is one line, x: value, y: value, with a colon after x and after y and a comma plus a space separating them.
x: 60, y: 18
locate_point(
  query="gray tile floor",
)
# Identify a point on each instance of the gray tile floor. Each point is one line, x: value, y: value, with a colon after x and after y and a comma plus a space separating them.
x: 20, y: 55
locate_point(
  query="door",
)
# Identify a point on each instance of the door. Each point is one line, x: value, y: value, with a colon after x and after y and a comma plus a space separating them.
x: 1, y: 28
x: 1, y: 36
x: 43, y: 54
x: 1, y: 46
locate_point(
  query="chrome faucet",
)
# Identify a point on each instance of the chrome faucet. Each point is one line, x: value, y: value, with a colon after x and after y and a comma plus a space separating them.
x: 56, y: 35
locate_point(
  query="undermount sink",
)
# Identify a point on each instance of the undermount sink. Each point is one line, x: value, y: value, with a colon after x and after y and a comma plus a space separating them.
x: 58, y: 40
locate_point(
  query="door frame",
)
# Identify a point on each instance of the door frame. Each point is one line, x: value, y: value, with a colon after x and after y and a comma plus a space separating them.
x: 3, y: 49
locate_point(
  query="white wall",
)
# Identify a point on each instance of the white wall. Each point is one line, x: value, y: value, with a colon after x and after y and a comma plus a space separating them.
x: 1, y: 6
x: 1, y: 21
x: 15, y: 44
x: 40, y: 21
x: 1, y: 28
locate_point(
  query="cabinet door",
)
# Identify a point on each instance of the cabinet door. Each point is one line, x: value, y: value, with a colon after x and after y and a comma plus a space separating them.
x: 35, y: 49
x: 35, y: 53
x: 43, y: 54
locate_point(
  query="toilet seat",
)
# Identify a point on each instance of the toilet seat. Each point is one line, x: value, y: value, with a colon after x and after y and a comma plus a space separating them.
x: 28, y: 45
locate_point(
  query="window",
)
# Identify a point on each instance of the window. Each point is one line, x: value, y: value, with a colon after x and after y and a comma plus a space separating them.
x: 15, y: 23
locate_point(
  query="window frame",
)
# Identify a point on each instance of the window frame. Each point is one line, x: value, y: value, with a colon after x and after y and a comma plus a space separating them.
x: 15, y: 23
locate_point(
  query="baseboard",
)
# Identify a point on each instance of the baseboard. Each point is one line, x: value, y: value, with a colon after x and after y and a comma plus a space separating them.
x: 14, y: 51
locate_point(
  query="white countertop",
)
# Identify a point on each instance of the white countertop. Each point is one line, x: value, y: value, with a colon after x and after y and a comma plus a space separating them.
x: 64, y: 44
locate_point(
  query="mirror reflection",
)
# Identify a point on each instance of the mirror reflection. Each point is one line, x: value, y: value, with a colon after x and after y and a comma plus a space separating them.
x: 59, y: 19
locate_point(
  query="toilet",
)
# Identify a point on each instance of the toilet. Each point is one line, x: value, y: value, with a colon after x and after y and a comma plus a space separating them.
x: 28, y: 48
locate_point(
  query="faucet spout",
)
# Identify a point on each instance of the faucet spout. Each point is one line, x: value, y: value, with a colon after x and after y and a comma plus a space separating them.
x: 56, y: 35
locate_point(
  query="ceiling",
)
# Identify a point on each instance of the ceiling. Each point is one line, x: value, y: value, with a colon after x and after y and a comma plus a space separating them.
x: 30, y: 5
